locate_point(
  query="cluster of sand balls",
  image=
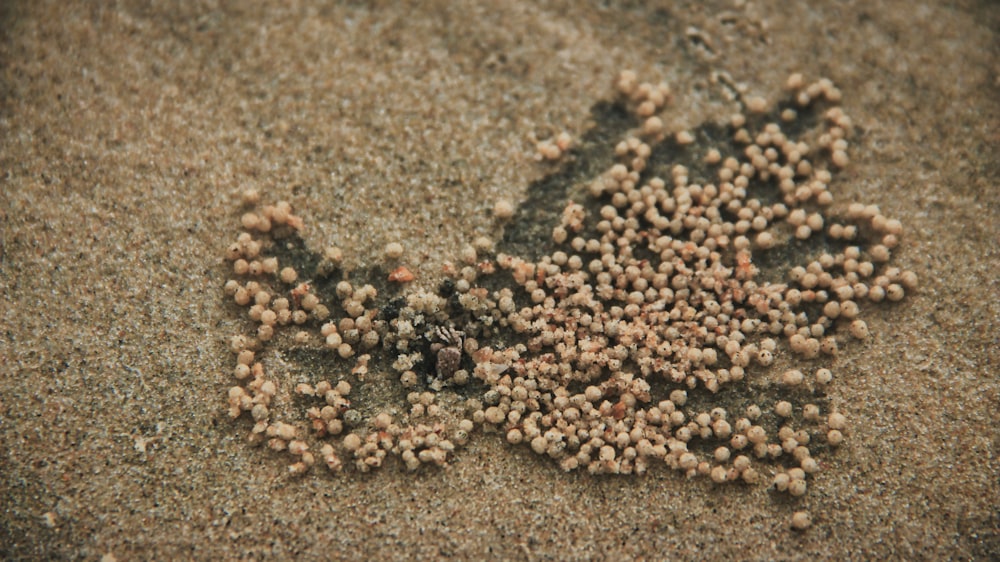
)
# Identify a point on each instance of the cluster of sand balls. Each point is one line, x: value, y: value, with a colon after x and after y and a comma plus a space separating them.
x: 606, y: 354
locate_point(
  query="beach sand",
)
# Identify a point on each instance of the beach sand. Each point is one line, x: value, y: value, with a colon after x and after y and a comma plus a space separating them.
x: 127, y: 133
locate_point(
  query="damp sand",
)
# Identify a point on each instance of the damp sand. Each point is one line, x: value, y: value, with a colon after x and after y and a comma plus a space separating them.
x: 128, y: 132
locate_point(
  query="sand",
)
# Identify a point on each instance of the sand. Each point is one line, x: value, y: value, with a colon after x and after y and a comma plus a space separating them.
x: 127, y: 131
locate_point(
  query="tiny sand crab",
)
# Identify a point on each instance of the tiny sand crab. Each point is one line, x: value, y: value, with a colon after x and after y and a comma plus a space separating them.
x: 449, y: 355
